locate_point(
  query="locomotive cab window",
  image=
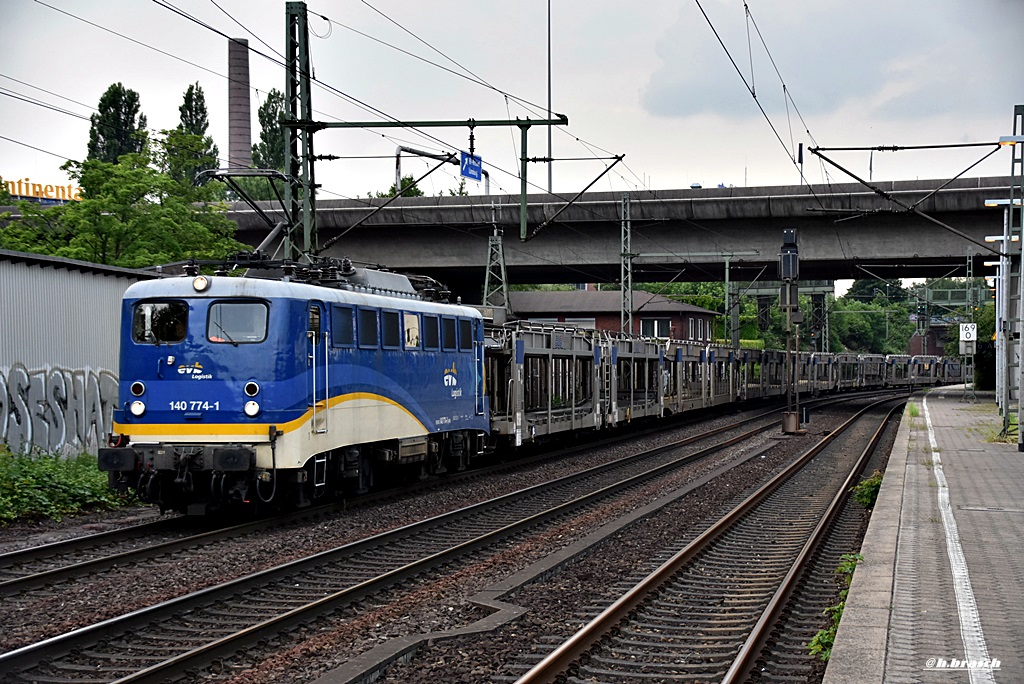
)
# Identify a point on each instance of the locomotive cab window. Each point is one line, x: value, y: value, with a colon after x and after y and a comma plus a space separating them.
x: 159, y: 322
x: 465, y: 334
x: 237, y: 322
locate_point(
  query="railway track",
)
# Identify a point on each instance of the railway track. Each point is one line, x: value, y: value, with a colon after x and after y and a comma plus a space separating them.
x: 15, y: 565
x: 706, y: 614
x: 43, y: 566
x: 168, y: 639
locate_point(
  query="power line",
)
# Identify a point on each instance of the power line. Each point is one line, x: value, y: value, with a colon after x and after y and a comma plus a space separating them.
x: 245, y: 28
x: 163, y: 52
x: 40, y: 103
x: 121, y: 35
x: 328, y: 87
x: 48, y: 92
x: 472, y: 77
x: 33, y: 147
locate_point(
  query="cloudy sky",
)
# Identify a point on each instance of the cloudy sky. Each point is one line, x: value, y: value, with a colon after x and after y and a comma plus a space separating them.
x: 649, y: 79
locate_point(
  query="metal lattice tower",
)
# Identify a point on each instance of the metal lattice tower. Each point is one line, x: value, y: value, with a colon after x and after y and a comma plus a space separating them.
x: 764, y: 312
x: 626, y: 270
x: 496, y: 280
x: 301, y: 200
x: 819, y: 322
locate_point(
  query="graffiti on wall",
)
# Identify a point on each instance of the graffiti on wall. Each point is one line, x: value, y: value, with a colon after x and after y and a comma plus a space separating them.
x: 54, y: 409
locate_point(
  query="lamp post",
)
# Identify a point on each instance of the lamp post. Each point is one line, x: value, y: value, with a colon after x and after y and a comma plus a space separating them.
x: 1016, y: 141
x: 1004, y: 325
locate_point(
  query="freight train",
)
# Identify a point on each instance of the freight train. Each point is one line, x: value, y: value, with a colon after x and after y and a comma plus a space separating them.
x: 305, y: 383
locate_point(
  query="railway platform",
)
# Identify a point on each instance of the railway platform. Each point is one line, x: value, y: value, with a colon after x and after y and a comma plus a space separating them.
x: 939, y: 596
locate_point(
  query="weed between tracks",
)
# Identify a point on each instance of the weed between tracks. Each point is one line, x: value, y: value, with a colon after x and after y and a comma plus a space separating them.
x: 821, y: 644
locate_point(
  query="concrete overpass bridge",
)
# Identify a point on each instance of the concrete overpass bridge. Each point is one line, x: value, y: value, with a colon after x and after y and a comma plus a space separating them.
x: 845, y: 231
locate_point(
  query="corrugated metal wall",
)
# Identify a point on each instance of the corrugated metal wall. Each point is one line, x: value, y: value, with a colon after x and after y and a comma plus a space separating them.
x: 55, y: 316
x: 59, y: 331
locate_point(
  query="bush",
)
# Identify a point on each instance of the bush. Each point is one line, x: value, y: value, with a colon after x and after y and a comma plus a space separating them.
x: 51, y: 486
x: 866, y: 493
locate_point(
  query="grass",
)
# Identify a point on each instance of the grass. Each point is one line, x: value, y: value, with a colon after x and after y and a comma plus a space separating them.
x: 913, y: 411
x: 822, y: 643
x: 42, y: 486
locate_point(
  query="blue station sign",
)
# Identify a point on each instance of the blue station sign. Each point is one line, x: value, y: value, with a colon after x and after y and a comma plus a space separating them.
x: 471, y: 166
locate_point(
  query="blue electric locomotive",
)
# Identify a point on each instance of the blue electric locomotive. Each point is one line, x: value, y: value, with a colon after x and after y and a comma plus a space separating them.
x: 239, y: 392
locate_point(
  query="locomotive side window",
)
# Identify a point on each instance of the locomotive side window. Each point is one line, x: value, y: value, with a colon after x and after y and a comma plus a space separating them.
x: 431, y: 340
x: 314, y: 324
x: 465, y: 334
x: 367, y: 328
x: 448, y: 341
x: 343, y: 326
x: 159, y: 322
x: 411, y: 322
x: 237, y: 322
x: 390, y: 330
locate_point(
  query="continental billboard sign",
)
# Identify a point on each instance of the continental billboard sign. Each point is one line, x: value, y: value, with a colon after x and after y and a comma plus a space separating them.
x: 25, y: 189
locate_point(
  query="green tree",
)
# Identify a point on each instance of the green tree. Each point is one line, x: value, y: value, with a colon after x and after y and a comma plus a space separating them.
x: 870, y: 327
x: 133, y: 215
x: 194, y: 150
x: 181, y: 156
x: 39, y: 229
x: 411, y: 189
x: 459, y: 191
x: 868, y: 289
x: 269, y: 153
x: 5, y: 195
x: 118, y: 127
x: 856, y: 324
x: 709, y: 295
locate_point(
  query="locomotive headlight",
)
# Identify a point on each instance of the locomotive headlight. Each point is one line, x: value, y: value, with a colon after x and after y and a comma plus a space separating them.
x: 138, y: 389
x: 137, y: 408
x: 200, y: 283
x: 251, y: 389
x: 252, y: 409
